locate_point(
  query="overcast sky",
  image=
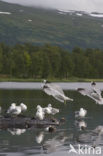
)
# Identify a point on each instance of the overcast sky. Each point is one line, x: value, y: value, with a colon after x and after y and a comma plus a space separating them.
x: 84, y: 5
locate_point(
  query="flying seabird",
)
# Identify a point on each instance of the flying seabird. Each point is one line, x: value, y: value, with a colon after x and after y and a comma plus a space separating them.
x: 55, y: 91
x: 92, y: 92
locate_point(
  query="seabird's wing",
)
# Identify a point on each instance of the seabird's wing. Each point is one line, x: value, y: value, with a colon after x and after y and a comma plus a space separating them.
x: 55, y: 93
x: 56, y: 87
x: 93, y: 85
x: 47, y: 90
x: 58, y: 97
x: 83, y: 91
x: 95, y: 96
x: 97, y: 91
x: 55, y: 110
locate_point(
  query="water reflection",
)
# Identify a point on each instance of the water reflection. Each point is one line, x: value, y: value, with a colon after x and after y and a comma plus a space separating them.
x: 40, y: 137
x: 81, y: 124
x: 16, y: 131
x: 51, y: 145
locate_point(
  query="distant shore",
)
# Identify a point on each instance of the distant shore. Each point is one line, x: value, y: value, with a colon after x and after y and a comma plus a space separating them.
x: 52, y: 80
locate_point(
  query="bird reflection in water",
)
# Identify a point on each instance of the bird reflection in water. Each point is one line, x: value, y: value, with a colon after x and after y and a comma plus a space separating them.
x: 52, y: 145
x: 17, y: 131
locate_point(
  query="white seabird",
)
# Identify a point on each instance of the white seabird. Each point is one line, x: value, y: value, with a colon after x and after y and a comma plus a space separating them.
x: 11, y: 108
x: 93, y: 93
x: 53, y: 110
x: 82, y: 113
x: 16, y: 111
x: 40, y: 113
x: 50, y: 110
x: 55, y: 91
x: 47, y: 110
x: 23, y: 107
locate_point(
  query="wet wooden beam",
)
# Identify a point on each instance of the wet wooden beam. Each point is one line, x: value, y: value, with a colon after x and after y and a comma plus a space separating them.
x: 26, y: 122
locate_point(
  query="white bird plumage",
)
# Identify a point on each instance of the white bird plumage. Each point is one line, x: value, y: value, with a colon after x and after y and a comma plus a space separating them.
x: 81, y: 113
x: 50, y: 110
x: 93, y: 93
x: 53, y: 110
x: 11, y: 108
x: 23, y: 107
x: 55, y: 91
x: 47, y: 110
x: 16, y: 110
x: 40, y: 113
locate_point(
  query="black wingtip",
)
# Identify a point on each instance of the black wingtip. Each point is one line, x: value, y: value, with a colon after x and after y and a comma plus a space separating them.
x: 79, y: 89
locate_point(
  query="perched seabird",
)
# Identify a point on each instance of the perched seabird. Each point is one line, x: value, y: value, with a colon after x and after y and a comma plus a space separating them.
x: 50, y: 110
x: 93, y: 93
x: 39, y: 108
x: 11, y: 108
x: 16, y: 110
x: 81, y: 114
x: 40, y: 113
x: 23, y: 107
x: 55, y: 91
x: 53, y: 110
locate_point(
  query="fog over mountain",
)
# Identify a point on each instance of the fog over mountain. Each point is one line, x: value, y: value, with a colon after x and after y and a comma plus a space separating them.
x: 80, y: 5
x: 66, y: 29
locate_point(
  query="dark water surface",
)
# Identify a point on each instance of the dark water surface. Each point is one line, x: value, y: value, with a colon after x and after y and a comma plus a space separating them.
x: 53, y: 144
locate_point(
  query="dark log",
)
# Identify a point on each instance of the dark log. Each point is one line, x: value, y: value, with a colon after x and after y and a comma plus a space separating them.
x: 26, y: 122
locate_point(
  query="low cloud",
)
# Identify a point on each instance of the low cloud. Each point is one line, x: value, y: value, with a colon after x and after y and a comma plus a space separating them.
x: 83, y: 5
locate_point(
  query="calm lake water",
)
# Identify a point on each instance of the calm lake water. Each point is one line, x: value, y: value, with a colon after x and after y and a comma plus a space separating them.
x: 57, y: 143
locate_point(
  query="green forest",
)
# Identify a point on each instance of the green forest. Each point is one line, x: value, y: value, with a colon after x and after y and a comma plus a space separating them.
x: 37, y: 62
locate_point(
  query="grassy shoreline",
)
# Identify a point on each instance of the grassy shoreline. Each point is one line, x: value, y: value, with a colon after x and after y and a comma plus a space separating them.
x: 52, y: 80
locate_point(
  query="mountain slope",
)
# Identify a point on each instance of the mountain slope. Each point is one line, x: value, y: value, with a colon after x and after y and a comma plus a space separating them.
x: 20, y: 24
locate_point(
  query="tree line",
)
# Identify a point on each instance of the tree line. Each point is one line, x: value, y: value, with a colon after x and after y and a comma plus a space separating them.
x: 28, y: 61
